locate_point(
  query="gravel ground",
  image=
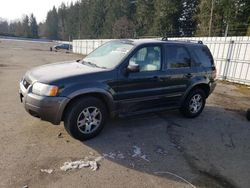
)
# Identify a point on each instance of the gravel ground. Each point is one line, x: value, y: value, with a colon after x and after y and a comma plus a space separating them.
x: 154, y: 150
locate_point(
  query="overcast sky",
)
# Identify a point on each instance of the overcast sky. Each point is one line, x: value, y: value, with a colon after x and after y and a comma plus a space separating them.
x: 15, y: 9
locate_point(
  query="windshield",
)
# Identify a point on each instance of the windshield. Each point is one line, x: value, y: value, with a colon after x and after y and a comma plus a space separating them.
x: 108, y: 55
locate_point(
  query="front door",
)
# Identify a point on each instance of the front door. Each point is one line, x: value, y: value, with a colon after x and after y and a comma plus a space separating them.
x: 141, y: 90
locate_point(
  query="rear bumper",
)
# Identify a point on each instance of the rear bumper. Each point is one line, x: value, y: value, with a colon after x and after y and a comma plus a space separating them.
x: 212, y: 86
x: 46, y: 108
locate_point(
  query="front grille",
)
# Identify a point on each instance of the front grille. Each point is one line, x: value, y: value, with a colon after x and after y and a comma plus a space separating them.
x: 26, y: 84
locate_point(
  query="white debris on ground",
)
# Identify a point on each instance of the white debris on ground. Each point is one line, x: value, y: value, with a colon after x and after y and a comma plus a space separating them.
x: 48, y: 171
x: 98, y: 159
x: 79, y: 165
x: 161, y: 151
x: 92, y: 164
x: 138, y: 153
x: 113, y: 155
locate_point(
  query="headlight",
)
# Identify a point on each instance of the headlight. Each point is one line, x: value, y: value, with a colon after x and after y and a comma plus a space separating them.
x: 44, y: 89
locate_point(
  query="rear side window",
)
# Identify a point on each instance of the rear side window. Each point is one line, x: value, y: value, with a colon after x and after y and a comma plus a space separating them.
x: 202, y: 56
x: 177, y: 57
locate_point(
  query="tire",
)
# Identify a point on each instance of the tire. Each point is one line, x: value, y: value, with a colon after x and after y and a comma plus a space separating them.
x: 85, y: 118
x: 189, y: 108
x: 248, y: 114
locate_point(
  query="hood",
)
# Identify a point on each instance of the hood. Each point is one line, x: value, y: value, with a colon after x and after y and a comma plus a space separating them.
x: 56, y: 71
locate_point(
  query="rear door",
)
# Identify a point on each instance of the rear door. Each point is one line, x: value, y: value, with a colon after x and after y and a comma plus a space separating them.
x: 204, y: 62
x: 179, y: 68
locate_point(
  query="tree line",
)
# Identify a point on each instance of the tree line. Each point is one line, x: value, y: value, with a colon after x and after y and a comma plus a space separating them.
x: 27, y: 27
x: 146, y: 18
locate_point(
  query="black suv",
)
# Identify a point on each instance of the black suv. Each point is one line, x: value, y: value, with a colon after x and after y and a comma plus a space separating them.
x: 122, y: 77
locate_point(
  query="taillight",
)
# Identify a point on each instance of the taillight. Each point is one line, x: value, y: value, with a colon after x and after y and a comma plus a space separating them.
x: 214, y: 73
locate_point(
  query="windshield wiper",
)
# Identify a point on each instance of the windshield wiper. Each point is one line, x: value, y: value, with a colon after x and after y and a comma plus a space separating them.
x: 92, y: 64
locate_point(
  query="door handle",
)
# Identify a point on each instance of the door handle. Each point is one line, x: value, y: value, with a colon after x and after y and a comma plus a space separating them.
x: 157, y: 78
x: 189, y: 75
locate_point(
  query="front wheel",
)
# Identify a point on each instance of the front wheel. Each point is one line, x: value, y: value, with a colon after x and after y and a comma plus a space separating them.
x: 194, y: 103
x: 85, y: 118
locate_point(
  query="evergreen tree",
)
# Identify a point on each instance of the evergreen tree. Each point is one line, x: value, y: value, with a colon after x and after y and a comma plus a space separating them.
x: 233, y: 14
x: 145, y: 13
x: 26, y: 26
x: 33, y: 27
x: 188, y: 19
x: 108, y: 18
x: 18, y: 31
x: 73, y: 25
x: 123, y: 28
x: 166, y: 19
x: 62, y: 15
x: 52, y: 24
x: 115, y: 11
x: 97, y: 17
x: 85, y: 14
x: 4, y: 27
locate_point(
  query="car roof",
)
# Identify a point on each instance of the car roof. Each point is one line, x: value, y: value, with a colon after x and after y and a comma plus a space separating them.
x: 137, y: 42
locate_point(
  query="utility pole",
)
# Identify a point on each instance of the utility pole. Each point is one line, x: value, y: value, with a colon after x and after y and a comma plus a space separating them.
x: 226, y: 32
x: 79, y: 22
x: 211, y: 18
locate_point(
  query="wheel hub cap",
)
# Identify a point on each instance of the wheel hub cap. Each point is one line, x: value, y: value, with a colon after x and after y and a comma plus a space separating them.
x: 89, y: 120
x: 195, y: 103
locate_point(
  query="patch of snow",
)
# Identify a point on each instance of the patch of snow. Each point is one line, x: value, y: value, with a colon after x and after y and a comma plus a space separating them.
x: 98, y: 159
x: 145, y: 158
x: 120, y: 156
x: 114, y: 155
x: 161, y: 151
x: 109, y: 155
x: 92, y: 164
x: 48, y: 171
x: 138, y: 153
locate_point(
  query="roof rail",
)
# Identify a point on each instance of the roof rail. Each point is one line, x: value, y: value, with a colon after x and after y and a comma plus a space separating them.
x: 164, y: 38
x: 195, y: 41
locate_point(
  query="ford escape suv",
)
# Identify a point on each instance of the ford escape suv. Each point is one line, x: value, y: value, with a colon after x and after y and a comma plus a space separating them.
x: 120, y: 78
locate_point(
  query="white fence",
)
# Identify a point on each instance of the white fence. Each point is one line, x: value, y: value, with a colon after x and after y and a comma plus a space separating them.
x: 231, y: 54
x: 62, y: 42
x: 86, y: 46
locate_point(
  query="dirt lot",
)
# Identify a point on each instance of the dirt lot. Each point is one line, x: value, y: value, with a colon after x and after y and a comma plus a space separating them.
x: 212, y: 150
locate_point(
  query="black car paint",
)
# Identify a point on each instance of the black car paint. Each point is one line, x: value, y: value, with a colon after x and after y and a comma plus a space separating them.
x: 124, y: 92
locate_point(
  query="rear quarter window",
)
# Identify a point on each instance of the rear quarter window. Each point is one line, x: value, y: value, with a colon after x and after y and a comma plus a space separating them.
x: 177, y: 57
x: 202, y: 56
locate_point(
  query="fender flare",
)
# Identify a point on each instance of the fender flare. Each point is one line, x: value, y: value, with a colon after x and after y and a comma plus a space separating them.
x: 107, y: 96
x: 190, y: 88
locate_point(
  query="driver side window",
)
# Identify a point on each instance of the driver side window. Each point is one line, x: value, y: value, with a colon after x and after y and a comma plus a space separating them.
x: 148, y: 58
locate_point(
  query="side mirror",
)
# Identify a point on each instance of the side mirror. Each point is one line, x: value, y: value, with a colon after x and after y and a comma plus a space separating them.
x: 133, y: 68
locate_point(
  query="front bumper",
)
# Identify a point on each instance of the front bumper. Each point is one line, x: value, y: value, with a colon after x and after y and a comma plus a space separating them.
x: 46, y: 108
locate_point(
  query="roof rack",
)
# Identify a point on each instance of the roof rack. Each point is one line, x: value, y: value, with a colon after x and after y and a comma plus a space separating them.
x: 195, y: 41
x: 184, y: 40
x: 164, y: 39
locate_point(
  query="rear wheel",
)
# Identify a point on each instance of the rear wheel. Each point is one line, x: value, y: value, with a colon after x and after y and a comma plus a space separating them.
x: 194, y: 103
x: 85, y: 118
